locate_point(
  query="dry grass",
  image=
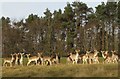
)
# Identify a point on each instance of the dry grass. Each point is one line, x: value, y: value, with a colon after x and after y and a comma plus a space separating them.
x: 62, y: 70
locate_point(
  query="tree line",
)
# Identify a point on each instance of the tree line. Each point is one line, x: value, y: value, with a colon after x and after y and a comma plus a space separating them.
x: 76, y: 27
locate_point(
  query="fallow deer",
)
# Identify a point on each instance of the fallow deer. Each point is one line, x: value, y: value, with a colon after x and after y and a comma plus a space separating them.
x: 114, y: 57
x: 74, y: 57
x: 31, y: 59
x: 84, y: 58
x: 17, y: 58
x: 21, y: 58
x: 93, y: 56
x: 106, y: 56
x: 9, y: 61
x: 56, y: 59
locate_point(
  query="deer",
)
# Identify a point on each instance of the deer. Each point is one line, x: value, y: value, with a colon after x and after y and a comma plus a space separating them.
x: 69, y: 59
x: 10, y: 61
x: 106, y: 56
x: 40, y: 59
x: 21, y: 58
x: 17, y: 58
x: 114, y: 57
x: 74, y: 57
x: 47, y: 60
x: 31, y: 59
x: 96, y: 58
x: 56, y: 59
x: 84, y: 58
x: 92, y: 57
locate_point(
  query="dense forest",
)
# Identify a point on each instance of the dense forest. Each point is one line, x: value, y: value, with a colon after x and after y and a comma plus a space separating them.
x: 76, y: 27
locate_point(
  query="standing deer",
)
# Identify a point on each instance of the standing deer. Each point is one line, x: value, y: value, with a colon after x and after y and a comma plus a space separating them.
x: 21, y: 58
x: 93, y: 57
x: 56, y: 59
x: 31, y: 59
x: 74, y: 57
x: 17, y: 58
x: 9, y: 61
x: 114, y: 57
x: 106, y: 56
x: 85, y: 58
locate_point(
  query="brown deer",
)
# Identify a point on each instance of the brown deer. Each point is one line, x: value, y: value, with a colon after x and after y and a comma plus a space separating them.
x: 93, y: 57
x: 74, y: 57
x: 106, y: 56
x: 9, y: 61
x: 114, y: 57
x: 21, y: 58
x: 31, y: 59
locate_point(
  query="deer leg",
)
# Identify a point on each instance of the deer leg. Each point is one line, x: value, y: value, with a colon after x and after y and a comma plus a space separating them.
x: 10, y: 64
x: 4, y: 64
x: 28, y: 63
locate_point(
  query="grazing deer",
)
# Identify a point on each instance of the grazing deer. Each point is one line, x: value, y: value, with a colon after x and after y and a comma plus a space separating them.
x: 114, y: 57
x: 21, y: 58
x: 93, y: 56
x: 10, y: 61
x: 31, y: 59
x: 74, y: 57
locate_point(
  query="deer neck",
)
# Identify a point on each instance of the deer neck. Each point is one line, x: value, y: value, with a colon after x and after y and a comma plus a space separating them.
x: 56, y: 57
x: 103, y: 56
x: 21, y: 57
x: 95, y: 54
x: 28, y: 57
x: 12, y: 59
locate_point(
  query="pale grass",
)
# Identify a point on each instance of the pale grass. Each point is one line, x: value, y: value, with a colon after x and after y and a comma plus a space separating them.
x: 62, y: 70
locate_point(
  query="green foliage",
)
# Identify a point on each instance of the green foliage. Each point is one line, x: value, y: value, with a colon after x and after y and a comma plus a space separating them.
x: 77, y: 27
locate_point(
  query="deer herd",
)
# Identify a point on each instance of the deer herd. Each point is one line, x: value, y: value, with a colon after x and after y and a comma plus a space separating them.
x: 89, y: 57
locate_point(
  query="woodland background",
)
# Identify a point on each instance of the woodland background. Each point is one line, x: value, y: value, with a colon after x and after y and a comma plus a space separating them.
x: 77, y: 27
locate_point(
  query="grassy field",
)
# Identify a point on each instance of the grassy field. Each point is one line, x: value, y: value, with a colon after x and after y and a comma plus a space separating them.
x: 62, y: 70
